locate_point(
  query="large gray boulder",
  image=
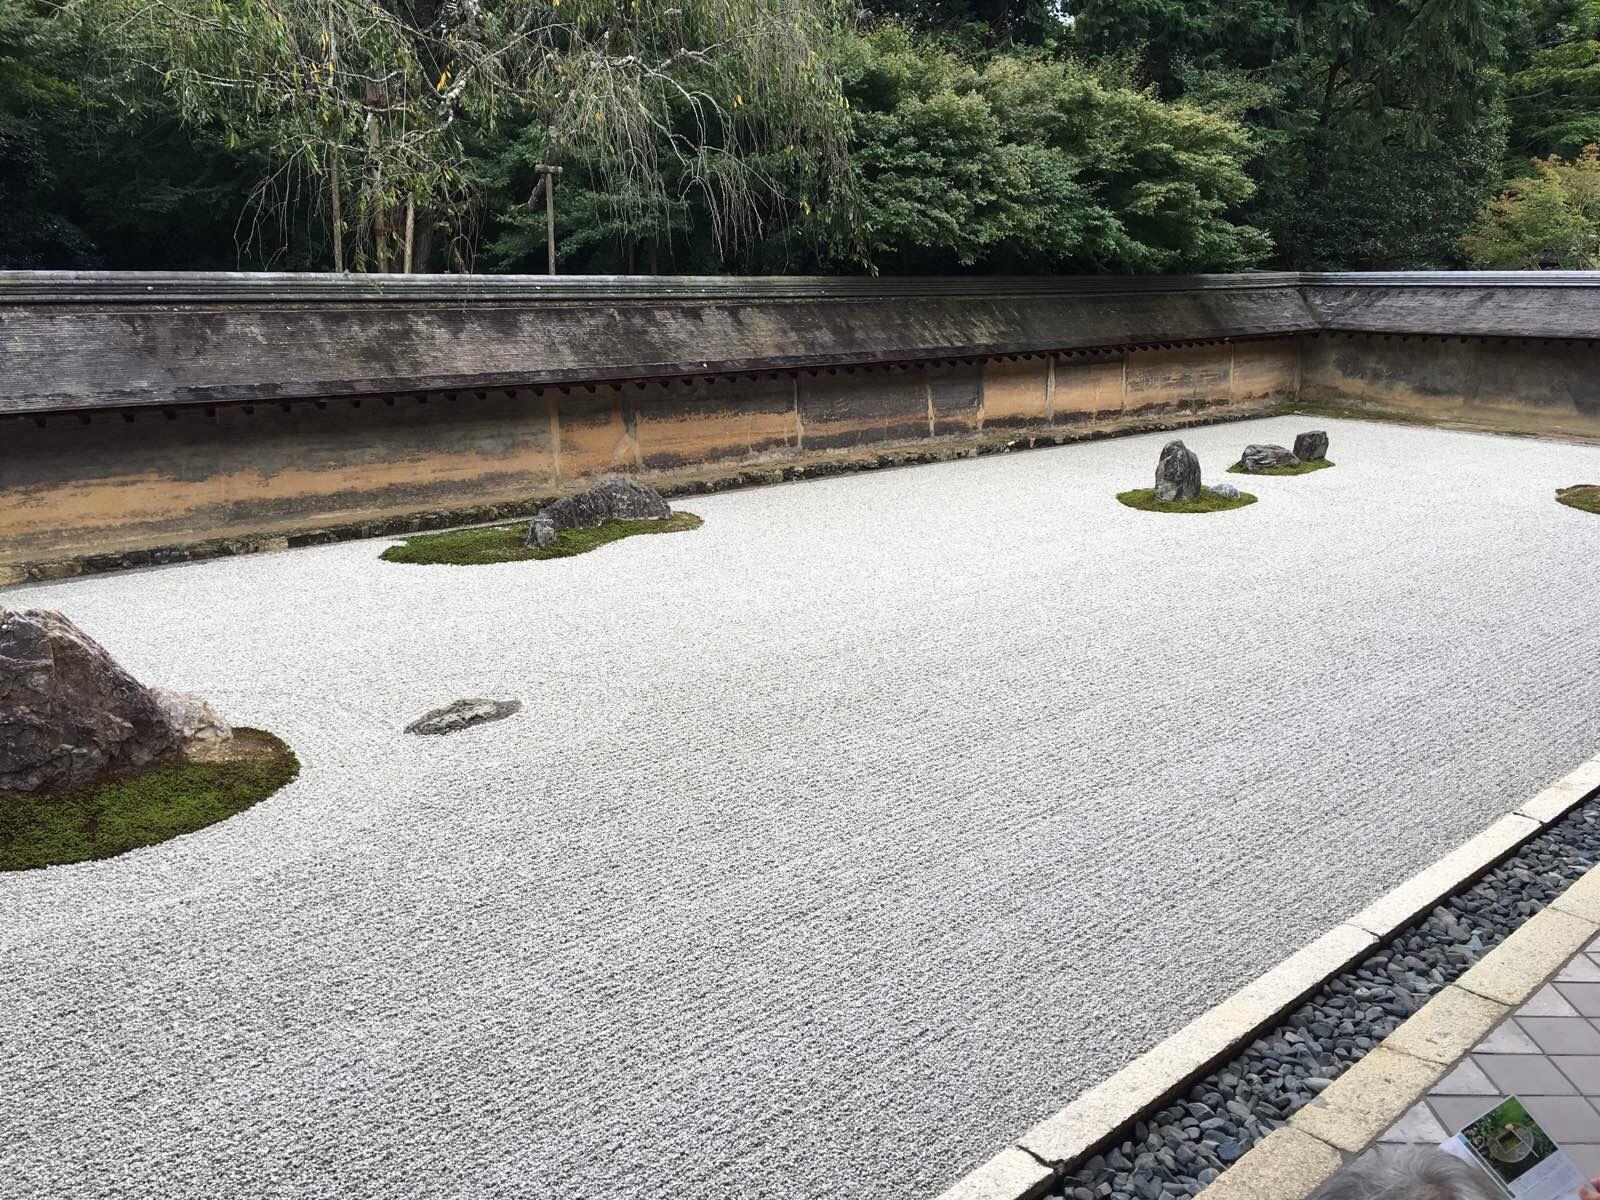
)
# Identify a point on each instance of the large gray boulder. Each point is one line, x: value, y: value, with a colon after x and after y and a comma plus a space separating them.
x: 613, y: 500
x: 1263, y: 458
x: 1177, y: 473
x: 1311, y: 445
x: 69, y: 715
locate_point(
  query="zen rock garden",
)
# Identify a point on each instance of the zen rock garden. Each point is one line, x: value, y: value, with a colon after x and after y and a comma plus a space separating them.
x: 1310, y: 453
x: 1180, y: 489
x: 613, y: 500
x: 675, y: 798
x: 74, y: 724
x: 608, y: 512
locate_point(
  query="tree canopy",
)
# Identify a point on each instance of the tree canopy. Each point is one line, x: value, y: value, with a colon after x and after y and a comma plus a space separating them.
x: 902, y: 136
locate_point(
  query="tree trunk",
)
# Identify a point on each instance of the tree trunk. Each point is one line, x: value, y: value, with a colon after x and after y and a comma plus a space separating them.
x: 411, y: 229
x: 338, y: 215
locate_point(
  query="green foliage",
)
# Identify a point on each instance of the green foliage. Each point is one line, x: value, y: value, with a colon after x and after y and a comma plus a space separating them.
x: 1303, y: 468
x: 504, y: 543
x: 1025, y: 164
x: 1551, y: 220
x: 1145, y: 500
x: 1555, y: 100
x: 1379, y: 121
x: 1583, y: 496
x: 714, y: 136
x: 1177, y: 38
x: 86, y: 181
x: 370, y: 106
x: 43, y: 829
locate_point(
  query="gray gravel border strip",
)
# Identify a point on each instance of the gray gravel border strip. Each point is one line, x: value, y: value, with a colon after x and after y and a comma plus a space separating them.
x: 1294, y: 1161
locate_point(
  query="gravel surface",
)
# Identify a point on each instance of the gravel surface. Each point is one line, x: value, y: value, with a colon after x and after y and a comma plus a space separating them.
x: 838, y: 841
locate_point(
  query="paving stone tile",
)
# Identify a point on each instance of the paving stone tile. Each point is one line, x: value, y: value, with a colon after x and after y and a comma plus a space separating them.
x: 1582, y: 899
x: 1286, y: 1163
x: 1449, y: 1025
x: 1562, y: 1035
x: 1582, y: 969
x: 1525, y: 1075
x: 1455, y: 1112
x: 1515, y: 969
x: 1466, y: 1080
x: 1565, y: 1118
x: 1508, y: 1039
x: 1585, y: 997
x: 1582, y: 1069
x: 1367, y: 1099
x: 1547, y: 1002
x: 1418, y: 1127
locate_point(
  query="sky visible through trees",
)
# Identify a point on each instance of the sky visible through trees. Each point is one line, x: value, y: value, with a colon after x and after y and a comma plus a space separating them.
x: 790, y: 136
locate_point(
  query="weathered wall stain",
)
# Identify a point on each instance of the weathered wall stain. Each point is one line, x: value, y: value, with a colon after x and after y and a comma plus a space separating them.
x: 1510, y: 385
x: 69, y: 488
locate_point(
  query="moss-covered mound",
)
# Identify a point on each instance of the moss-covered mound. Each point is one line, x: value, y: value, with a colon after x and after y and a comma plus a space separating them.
x: 41, y: 829
x: 1145, y: 500
x: 1584, y: 495
x: 503, y: 543
x: 1305, y: 468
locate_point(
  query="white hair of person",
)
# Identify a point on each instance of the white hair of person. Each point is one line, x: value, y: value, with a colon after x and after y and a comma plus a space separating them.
x: 1408, y: 1175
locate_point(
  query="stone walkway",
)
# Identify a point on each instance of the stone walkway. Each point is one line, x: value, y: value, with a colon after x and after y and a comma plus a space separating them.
x: 1547, y: 1052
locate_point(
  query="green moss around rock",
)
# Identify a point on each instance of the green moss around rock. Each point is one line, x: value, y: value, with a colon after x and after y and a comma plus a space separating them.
x: 44, y: 829
x: 504, y: 543
x: 1305, y: 468
x: 1145, y: 500
x: 1583, y: 496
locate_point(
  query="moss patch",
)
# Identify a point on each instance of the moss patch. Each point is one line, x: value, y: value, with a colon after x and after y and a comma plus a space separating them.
x: 503, y: 543
x: 1305, y: 468
x: 1585, y: 496
x: 1145, y: 500
x: 41, y: 829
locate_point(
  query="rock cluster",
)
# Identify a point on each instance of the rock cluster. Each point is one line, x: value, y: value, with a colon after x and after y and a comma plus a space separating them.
x: 1180, y: 1148
x: 1310, y: 446
x: 1264, y: 458
x: 1177, y: 473
x: 613, y: 500
x: 69, y: 715
x: 463, y: 714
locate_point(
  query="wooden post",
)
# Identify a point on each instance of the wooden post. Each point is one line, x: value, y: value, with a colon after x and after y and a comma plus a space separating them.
x: 547, y: 176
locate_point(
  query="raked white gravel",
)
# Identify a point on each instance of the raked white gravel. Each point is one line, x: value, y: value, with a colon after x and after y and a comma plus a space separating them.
x: 839, y: 841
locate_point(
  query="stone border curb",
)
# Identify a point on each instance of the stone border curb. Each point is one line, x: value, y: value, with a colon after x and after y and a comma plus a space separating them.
x: 1295, y: 1160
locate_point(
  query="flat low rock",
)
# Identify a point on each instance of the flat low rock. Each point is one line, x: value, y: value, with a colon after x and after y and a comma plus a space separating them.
x: 1311, y: 445
x: 463, y: 714
x: 1226, y: 490
x: 612, y: 500
x: 1264, y: 458
x: 69, y: 715
x: 1177, y: 473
